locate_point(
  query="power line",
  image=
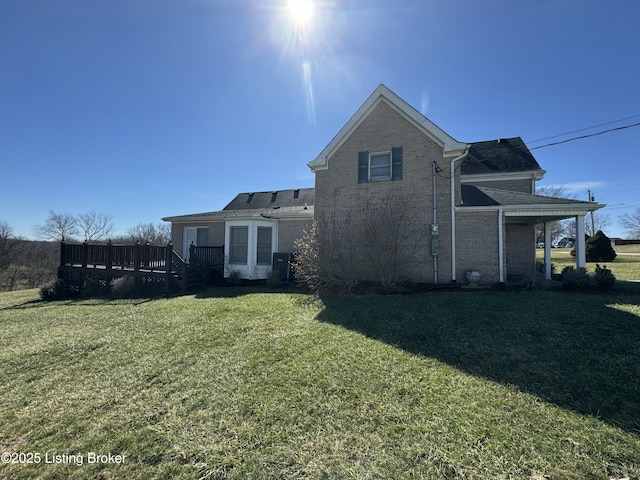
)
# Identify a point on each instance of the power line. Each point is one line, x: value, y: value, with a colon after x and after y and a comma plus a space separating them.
x: 586, y: 136
x: 583, y: 129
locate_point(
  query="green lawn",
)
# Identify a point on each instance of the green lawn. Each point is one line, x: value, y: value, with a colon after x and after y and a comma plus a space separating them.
x: 624, y: 267
x: 242, y: 384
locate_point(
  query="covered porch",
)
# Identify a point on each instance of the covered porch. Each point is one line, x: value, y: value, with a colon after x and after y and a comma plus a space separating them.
x: 535, y: 216
x: 517, y: 211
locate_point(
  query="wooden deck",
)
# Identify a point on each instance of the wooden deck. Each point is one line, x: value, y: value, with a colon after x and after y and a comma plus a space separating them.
x: 153, y: 267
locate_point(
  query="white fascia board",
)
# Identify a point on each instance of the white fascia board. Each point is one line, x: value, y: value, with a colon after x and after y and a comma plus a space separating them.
x: 492, y: 177
x: 540, y: 209
x: 450, y: 146
x: 224, y: 216
x: 194, y: 218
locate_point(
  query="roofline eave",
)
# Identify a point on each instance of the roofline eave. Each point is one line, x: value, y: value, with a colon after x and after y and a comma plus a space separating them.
x: 537, y: 209
x: 450, y: 146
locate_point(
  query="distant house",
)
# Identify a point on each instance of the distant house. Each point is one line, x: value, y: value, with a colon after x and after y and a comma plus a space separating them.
x: 473, y: 205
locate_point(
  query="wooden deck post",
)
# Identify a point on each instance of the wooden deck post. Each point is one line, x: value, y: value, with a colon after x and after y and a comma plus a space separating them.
x: 63, y: 253
x: 85, y: 253
x: 109, y: 262
x: 168, y: 257
x: 136, y: 256
x: 146, y: 255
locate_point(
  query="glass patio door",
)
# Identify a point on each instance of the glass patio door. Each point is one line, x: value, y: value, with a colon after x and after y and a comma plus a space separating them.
x: 198, y: 236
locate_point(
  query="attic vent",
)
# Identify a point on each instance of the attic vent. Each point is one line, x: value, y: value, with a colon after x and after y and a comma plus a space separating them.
x: 296, y: 193
x: 249, y: 198
x: 502, y: 140
x: 274, y: 196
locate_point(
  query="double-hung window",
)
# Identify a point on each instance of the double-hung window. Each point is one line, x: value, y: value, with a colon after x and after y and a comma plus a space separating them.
x: 263, y: 254
x: 238, y: 245
x: 380, y: 165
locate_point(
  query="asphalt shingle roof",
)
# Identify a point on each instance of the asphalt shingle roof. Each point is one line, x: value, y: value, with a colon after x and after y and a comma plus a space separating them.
x: 278, y: 198
x: 473, y: 196
x: 498, y: 156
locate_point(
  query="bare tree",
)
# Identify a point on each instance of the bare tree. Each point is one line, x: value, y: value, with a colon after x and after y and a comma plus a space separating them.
x: 378, y: 244
x: 95, y: 226
x: 58, y: 227
x: 631, y: 223
x: 559, y: 228
x: 155, y: 234
x: 600, y: 221
x: 7, y: 243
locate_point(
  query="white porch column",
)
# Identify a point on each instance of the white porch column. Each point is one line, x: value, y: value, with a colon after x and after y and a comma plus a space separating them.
x: 581, y: 261
x: 547, y: 250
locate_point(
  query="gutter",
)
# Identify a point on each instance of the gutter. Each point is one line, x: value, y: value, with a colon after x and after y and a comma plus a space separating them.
x: 500, y: 246
x: 453, y: 213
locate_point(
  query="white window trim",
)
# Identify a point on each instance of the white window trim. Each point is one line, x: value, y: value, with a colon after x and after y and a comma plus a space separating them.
x: 250, y: 271
x: 379, y: 154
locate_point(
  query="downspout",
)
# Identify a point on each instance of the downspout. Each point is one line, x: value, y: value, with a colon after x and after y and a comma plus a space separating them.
x: 434, y: 229
x: 500, y: 246
x: 453, y: 213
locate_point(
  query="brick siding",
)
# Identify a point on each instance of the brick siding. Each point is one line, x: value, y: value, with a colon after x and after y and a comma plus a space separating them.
x: 338, y: 193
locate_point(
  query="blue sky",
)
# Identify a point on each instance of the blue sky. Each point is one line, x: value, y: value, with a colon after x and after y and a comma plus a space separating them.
x: 151, y: 108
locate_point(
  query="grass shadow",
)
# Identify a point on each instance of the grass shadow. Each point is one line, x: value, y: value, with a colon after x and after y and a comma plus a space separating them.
x: 81, y: 302
x: 578, y: 351
x: 232, y: 291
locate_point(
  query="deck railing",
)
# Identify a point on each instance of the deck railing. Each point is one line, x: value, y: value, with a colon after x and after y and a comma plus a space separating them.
x: 141, y: 260
x: 125, y: 257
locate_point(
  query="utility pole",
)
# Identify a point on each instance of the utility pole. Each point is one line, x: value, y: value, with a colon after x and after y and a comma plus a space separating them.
x: 592, y: 198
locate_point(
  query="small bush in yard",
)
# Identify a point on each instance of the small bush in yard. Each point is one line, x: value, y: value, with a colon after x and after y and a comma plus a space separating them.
x: 598, y: 248
x: 576, y: 279
x: 58, y: 290
x: 579, y: 279
x: 123, y: 287
x: 604, y: 278
x: 94, y: 288
x: 234, y: 278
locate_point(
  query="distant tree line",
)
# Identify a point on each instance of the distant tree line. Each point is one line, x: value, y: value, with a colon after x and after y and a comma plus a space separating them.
x: 98, y: 227
x: 33, y: 263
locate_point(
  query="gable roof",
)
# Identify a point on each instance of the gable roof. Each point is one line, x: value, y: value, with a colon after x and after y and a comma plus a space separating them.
x: 450, y: 146
x: 506, y: 155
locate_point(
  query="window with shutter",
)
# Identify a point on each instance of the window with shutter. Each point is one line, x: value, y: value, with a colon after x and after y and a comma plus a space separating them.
x: 380, y: 165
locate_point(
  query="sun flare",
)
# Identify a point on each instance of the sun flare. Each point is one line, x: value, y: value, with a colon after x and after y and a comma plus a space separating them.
x: 300, y: 11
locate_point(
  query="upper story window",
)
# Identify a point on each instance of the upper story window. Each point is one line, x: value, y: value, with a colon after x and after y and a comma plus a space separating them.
x: 380, y: 165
